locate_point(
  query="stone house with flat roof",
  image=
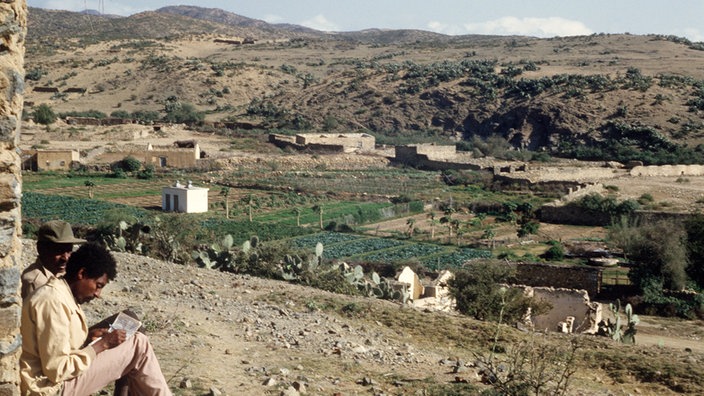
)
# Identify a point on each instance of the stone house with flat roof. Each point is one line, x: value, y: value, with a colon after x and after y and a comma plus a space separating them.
x: 46, y: 160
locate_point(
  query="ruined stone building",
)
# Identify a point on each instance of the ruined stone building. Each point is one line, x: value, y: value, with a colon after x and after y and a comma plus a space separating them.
x: 433, y: 157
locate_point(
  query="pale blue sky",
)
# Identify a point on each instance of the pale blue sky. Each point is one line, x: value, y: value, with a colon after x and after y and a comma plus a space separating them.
x: 541, y: 18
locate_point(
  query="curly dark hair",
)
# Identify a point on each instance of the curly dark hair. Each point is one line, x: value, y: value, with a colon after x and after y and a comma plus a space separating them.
x: 94, y: 259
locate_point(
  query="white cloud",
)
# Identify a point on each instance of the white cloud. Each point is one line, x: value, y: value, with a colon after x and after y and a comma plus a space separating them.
x: 272, y: 18
x: 439, y: 27
x: 693, y: 34
x: 319, y: 22
x: 539, y: 27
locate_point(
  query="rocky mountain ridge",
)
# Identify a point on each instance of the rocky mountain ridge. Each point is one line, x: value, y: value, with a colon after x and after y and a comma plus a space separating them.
x: 557, y: 95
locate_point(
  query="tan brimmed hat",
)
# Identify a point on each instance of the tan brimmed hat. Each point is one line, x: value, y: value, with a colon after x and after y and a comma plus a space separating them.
x: 57, y: 231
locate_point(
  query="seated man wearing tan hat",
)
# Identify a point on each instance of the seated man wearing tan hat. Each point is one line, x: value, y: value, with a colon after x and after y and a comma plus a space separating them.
x: 55, y: 242
x: 56, y: 359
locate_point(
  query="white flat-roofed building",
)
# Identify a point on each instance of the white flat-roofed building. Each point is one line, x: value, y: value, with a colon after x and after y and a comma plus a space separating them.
x: 184, y: 199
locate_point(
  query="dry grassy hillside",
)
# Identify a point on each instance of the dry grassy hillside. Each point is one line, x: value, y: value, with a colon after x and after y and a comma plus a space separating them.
x: 536, y: 93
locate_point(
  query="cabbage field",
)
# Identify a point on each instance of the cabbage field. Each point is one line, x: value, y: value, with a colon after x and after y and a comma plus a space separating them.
x: 357, y: 248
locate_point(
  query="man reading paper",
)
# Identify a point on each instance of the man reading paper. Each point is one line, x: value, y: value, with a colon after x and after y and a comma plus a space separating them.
x: 54, y: 357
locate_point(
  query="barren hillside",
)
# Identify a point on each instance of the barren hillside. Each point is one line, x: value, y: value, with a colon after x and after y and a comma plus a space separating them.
x: 558, y: 94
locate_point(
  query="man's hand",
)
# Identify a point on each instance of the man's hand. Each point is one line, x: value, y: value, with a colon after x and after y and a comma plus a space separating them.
x: 110, y: 340
x: 94, y: 334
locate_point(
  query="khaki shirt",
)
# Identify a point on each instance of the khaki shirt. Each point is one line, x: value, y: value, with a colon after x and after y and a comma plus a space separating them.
x: 34, y: 277
x: 53, y: 331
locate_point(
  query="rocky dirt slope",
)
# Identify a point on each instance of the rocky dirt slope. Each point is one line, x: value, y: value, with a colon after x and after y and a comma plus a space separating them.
x: 223, y: 333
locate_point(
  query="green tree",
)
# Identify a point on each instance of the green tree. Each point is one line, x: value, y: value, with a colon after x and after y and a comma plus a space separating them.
x: 528, y: 228
x: 659, y: 254
x: 479, y: 292
x: 447, y: 219
x: 695, y: 249
x: 250, y: 205
x: 147, y: 173
x: 44, y: 115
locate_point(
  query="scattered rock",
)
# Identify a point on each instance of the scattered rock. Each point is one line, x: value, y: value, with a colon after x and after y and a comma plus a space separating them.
x: 185, y: 384
x: 290, y: 391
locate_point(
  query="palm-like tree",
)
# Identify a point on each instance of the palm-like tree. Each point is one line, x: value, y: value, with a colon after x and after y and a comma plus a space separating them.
x: 91, y: 185
x: 319, y: 210
x: 225, y: 191
x: 433, y: 222
x: 410, y: 222
x: 297, y: 211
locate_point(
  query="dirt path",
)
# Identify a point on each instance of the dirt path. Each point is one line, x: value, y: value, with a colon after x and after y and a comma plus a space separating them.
x: 671, y: 333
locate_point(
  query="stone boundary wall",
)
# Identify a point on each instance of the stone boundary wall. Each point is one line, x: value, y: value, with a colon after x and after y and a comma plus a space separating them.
x: 557, y: 276
x: 432, y: 158
x: 333, y: 142
x: 668, y: 170
x: 583, y: 175
x: 90, y: 121
x: 580, y: 191
x: 567, y: 214
x: 13, y: 14
x: 571, y: 214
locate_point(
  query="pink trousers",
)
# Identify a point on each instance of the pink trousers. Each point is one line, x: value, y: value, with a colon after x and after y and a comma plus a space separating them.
x: 134, y: 359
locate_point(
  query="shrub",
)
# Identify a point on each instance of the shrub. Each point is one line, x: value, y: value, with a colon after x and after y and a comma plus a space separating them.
x: 128, y: 164
x: 131, y: 164
x: 147, y: 173
x: 645, y: 199
x: 527, y: 228
x: 184, y: 113
x: 35, y: 74
x: 145, y: 116
x: 87, y: 113
x: 556, y: 252
x: 44, y: 115
x: 120, y: 114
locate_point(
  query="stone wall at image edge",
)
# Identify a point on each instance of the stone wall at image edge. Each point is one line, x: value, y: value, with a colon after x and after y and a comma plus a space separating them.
x: 13, y: 29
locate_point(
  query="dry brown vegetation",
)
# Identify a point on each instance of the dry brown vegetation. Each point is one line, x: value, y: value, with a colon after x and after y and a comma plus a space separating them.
x: 366, y: 82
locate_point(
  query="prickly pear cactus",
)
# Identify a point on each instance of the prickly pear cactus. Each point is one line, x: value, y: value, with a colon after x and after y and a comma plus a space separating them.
x: 629, y: 333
